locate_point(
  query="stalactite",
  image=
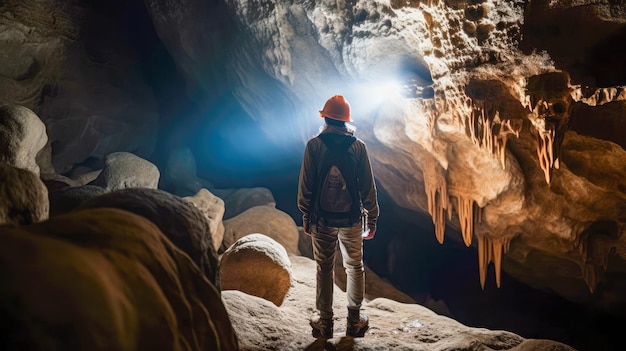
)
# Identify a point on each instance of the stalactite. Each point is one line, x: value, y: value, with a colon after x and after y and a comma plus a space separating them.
x: 491, y: 250
x: 484, y: 257
x: 589, y: 275
x: 437, y: 195
x: 545, y: 151
x: 466, y: 218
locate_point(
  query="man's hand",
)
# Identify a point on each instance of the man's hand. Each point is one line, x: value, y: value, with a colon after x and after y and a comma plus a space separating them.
x: 369, y: 234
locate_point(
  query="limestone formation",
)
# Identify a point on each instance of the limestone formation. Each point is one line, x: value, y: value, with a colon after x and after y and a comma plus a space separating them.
x: 257, y: 265
x: 22, y: 136
x: 267, y: 220
x: 23, y: 196
x: 179, y: 220
x: 105, y: 279
x: 237, y: 201
x: 124, y: 170
x: 213, y: 209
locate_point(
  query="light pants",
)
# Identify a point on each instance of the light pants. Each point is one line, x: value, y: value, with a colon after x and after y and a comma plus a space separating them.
x: 324, y: 248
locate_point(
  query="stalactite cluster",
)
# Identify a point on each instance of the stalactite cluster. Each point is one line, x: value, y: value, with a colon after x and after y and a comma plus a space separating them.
x: 488, y: 130
x: 549, y: 101
x: 491, y: 250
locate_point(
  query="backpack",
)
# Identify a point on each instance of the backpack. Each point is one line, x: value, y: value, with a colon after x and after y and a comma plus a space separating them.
x: 337, y: 202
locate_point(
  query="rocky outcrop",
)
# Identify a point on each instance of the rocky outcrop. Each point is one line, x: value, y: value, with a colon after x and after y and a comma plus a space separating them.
x: 66, y: 199
x: 180, y: 221
x: 112, y: 281
x: 124, y: 170
x: 257, y: 265
x: 267, y: 220
x: 23, y: 196
x: 22, y: 136
x: 261, y: 325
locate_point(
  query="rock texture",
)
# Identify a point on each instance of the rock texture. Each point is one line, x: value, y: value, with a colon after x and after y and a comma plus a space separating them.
x: 124, y: 170
x: 112, y: 281
x: 180, y: 221
x: 72, y: 64
x: 23, y: 196
x: 267, y: 220
x: 257, y: 265
x: 22, y: 136
x: 261, y: 325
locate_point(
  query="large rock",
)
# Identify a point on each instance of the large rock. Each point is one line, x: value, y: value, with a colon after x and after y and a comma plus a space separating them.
x: 257, y: 265
x: 66, y: 199
x: 179, y: 220
x: 105, y: 279
x: 236, y: 201
x: 267, y: 220
x: 124, y: 170
x: 213, y: 209
x: 23, y: 196
x: 181, y: 172
x: 22, y: 136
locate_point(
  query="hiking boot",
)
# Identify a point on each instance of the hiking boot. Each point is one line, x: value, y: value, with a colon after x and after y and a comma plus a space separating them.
x: 322, y: 327
x: 358, y: 323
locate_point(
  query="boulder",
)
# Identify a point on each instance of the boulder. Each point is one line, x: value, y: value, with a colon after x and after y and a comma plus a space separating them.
x: 23, y: 196
x: 66, y: 199
x: 237, y: 201
x: 105, y: 279
x: 181, y: 172
x: 212, y: 207
x: 257, y: 265
x: 179, y: 220
x: 22, y: 136
x: 124, y: 170
x: 267, y: 220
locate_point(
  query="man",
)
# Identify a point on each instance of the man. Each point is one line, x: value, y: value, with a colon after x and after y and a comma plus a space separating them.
x: 328, y: 229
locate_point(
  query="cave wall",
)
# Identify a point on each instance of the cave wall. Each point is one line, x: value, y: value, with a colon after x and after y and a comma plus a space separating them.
x: 73, y: 65
x: 513, y: 136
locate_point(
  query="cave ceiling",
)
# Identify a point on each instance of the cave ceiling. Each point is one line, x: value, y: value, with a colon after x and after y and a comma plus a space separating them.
x: 510, y: 127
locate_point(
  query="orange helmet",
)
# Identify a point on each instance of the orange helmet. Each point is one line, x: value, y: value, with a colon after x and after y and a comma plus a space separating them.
x: 337, y: 108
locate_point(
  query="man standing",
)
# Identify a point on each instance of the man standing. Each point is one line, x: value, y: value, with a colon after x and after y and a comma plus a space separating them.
x: 338, y: 200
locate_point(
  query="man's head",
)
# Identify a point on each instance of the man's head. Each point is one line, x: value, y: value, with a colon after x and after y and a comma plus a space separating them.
x: 336, y: 108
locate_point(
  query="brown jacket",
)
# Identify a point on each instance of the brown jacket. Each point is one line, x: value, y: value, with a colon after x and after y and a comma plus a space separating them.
x: 314, y: 153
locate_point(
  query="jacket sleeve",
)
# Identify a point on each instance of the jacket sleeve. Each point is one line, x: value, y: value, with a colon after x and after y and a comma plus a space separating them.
x: 367, y: 187
x: 307, y: 181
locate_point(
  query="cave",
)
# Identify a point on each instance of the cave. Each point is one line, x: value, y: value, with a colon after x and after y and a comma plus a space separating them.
x: 495, y: 130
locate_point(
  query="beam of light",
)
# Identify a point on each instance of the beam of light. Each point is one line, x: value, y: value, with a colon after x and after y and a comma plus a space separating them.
x: 370, y: 95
